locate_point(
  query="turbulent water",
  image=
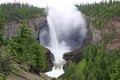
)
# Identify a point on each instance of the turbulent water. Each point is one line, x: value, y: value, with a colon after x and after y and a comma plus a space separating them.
x: 67, y: 30
x: 58, y: 49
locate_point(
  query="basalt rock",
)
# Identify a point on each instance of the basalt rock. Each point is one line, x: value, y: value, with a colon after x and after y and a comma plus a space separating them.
x: 67, y: 56
x: 49, y: 60
x: 75, y: 56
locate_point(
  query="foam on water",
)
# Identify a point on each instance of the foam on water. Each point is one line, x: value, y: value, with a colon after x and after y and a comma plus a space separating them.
x: 67, y: 30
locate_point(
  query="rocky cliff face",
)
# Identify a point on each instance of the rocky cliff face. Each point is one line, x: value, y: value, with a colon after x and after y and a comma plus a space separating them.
x: 115, y: 42
x: 94, y: 36
x: 11, y: 28
x: 36, y: 24
x: 111, y: 32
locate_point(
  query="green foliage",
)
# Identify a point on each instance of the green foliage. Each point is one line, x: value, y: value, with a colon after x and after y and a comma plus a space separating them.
x: 2, y: 77
x: 27, y: 50
x: 22, y: 48
x: 25, y: 32
x: 98, y: 64
x: 17, y: 49
x: 103, y: 9
x: 5, y: 60
x: 91, y: 77
x: 17, y: 11
x: 1, y: 27
x: 18, y: 44
x: 5, y: 57
x: 69, y: 71
x: 81, y: 65
x: 75, y: 72
x: 38, y: 57
x: 107, y: 37
x: 1, y: 23
x: 99, y: 22
x: 24, y: 67
x: 102, y: 12
x: 116, y: 74
x: 79, y: 70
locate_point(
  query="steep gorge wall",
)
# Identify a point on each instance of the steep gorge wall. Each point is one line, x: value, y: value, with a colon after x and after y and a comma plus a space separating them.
x: 94, y: 35
x: 12, y: 28
x: 108, y: 35
x: 35, y: 24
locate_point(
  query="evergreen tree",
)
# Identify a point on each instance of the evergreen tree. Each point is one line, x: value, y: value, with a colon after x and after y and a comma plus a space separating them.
x: 27, y: 50
x: 18, y: 11
x: 116, y: 75
x: 5, y: 60
x: 91, y: 77
x: 69, y: 71
x: 18, y: 44
x: 1, y: 27
x: 38, y: 60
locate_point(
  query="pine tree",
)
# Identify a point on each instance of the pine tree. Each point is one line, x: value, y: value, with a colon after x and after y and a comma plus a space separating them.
x: 18, y: 44
x: 1, y: 27
x: 5, y: 60
x: 25, y: 31
x: 91, y: 77
x: 69, y: 71
x: 116, y: 75
x: 38, y: 60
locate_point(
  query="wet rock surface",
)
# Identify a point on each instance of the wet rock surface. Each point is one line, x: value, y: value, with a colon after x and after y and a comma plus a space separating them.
x: 75, y: 56
x: 49, y: 59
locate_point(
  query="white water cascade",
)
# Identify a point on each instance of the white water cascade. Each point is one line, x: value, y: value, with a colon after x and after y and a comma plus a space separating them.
x: 67, y: 30
x: 58, y: 49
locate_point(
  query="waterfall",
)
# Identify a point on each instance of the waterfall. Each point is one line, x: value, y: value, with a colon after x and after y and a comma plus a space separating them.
x: 58, y: 50
x: 66, y: 32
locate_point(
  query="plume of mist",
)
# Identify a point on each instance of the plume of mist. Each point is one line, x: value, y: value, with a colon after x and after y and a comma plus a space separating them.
x: 69, y: 23
x: 66, y: 31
